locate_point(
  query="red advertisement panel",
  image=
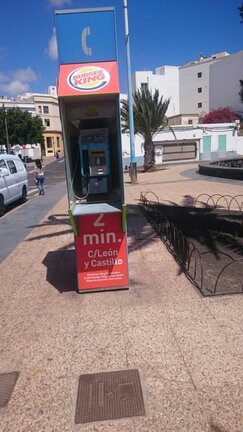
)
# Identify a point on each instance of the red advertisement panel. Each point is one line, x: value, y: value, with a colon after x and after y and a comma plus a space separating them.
x: 89, y: 78
x: 101, y: 251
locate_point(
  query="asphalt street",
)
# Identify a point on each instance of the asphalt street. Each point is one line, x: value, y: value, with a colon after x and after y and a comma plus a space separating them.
x: 20, y: 219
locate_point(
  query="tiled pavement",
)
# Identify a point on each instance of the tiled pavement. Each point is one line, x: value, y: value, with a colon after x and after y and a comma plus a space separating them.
x: 189, y: 349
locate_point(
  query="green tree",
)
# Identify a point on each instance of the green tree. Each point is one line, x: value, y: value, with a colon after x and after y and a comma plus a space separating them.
x: 149, y: 111
x: 22, y: 127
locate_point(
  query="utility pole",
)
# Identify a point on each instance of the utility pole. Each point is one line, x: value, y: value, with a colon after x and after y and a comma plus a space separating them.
x: 6, y: 129
x: 133, y: 164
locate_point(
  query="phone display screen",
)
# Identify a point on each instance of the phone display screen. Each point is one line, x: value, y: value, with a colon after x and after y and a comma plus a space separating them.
x: 98, y: 165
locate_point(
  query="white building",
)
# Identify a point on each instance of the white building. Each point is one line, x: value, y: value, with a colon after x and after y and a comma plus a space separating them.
x: 195, y: 84
x: 198, y: 86
x: 198, y: 142
x: 225, y: 79
x: 166, y: 80
x: 23, y: 106
x: 195, y: 88
x: 192, y: 143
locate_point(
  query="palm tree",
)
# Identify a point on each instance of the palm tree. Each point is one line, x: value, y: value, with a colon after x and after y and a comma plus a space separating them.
x: 241, y: 12
x: 149, y: 119
x: 241, y: 85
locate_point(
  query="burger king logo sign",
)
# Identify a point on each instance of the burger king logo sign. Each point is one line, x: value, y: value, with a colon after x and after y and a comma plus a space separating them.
x: 88, y: 78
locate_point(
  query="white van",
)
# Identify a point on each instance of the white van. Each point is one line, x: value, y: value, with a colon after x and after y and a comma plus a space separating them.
x: 13, y: 180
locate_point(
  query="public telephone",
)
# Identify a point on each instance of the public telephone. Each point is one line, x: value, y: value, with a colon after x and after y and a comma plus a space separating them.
x: 95, y: 160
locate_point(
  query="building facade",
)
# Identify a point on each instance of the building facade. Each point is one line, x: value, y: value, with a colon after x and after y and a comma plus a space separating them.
x: 195, y: 84
x: 199, y: 86
x: 6, y: 104
x: 166, y: 80
x: 192, y: 143
x: 194, y: 89
x: 225, y: 79
x: 46, y: 106
x: 183, y: 119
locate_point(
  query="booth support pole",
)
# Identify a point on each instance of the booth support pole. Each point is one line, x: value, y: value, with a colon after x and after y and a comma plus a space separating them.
x: 133, y: 163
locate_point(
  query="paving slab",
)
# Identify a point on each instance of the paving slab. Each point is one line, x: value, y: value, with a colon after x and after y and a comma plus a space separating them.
x: 172, y: 406
x: 187, y: 348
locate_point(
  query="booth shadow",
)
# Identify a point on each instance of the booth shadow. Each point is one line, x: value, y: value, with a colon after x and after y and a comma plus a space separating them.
x: 214, y: 231
x: 61, y: 269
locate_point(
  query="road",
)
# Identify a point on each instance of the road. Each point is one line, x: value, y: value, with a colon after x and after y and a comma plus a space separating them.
x: 20, y: 219
x: 55, y: 173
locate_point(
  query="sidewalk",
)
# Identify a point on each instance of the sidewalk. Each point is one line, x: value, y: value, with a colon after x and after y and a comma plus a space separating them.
x: 188, y: 349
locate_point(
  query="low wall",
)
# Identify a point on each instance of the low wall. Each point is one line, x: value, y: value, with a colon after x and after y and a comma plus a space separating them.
x: 226, y: 168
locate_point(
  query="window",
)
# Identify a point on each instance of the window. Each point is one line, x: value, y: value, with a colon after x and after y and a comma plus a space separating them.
x: 199, y: 105
x: 199, y: 74
x: 19, y: 165
x: 144, y: 85
x: 49, y: 142
x: 45, y: 109
x: 39, y: 109
x: 58, y: 142
x: 2, y: 164
x: 189, y: 121
x: 12, y: 167
x: 199, y: 90
x: 46, y: 122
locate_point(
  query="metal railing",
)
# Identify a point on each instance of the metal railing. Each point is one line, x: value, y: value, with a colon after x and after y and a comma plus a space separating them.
x: 188, y: 255
x: 218, y: 201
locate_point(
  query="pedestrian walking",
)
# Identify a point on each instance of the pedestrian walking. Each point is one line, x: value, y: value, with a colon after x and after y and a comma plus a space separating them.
x: 40, y: 176
x: 57, y: 156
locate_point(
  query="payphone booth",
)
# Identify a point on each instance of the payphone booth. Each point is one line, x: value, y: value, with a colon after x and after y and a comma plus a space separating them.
x: 89, y: 99
x: 94, y: 160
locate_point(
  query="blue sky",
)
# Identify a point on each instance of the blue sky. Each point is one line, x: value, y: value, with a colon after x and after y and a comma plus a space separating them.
x: 162, y: 32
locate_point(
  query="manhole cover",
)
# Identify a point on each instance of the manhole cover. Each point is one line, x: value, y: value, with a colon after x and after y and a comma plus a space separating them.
x: 7, y: 383
x: 108, y: 396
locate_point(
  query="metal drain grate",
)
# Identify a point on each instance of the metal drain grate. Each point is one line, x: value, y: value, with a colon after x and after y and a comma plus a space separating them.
x: 108, y: 396
x: 7, y: 383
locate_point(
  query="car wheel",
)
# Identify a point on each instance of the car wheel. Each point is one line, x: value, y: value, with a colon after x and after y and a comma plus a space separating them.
x: 2, y: 206
x: 24, y: 194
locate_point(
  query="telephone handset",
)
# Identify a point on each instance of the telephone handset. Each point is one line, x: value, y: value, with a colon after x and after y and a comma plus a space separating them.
x: 86, y: 49
x: 95, y: 160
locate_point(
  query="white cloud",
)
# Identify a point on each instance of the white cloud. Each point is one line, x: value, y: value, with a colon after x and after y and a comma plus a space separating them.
x: 14, y: 88
x: 60, y: 2
x: 17, y: 82
x: 25, y: 75
x: 3, y: 77
x: 52, y: 46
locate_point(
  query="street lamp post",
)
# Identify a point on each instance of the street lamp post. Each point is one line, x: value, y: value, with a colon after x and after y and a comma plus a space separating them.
x: 6, y: 129
x: 133, y: 164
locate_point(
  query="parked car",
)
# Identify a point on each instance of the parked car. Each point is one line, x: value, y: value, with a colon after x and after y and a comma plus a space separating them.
x: 13, y: 180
